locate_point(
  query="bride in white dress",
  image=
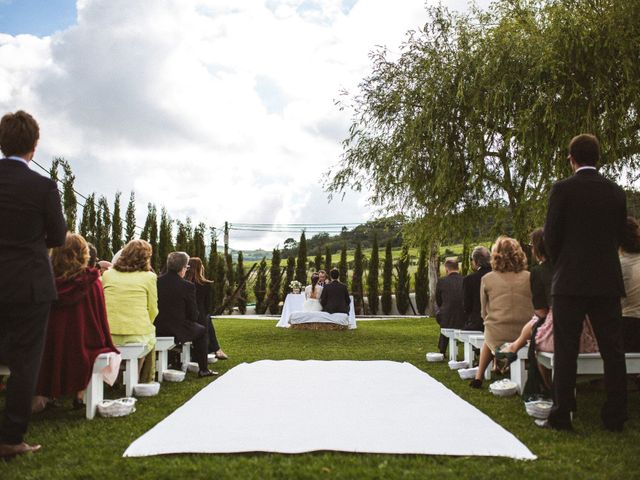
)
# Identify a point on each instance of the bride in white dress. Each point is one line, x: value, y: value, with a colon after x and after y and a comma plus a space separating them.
x: 312, y: 295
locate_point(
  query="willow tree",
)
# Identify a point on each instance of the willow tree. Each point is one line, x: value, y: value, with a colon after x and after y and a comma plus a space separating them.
x: 478, y: 108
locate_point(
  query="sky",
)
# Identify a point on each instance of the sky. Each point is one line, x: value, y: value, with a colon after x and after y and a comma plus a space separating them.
x: 221, y: 110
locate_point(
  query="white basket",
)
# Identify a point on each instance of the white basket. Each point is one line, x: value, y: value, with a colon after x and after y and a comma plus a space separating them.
x: 173, y: 375
x: 211, y: 358
x: 455, y: 365
x: 435, y: 357
x: 538, y: 408
x: 117, y: 408
x: 146, y: 389
x: 468, y: 373
x: 193, y: 367
x: 503, y: 388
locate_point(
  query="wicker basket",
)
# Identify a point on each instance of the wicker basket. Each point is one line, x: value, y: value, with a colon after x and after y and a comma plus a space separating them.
x: 193, y: 367
x: 117, y: 408
x: 146, y: 389
x: 319, y: 326
x: 173, y: 375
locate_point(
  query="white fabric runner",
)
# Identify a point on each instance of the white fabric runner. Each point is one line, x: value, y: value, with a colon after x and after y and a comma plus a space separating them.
x: 293, y: 406
x: 294, y: 302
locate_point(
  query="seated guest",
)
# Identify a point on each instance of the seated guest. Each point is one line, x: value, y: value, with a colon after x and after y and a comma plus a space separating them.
x: 178, y: 311
x: 195, y: 275
x: 335, y: 295
x: 481, y: 264
x: 131, y: 296
x: 312, y: 295
x: 78, y: 330
x: 93, y: 256
x: 449, y: 301
x: 630, y: 263
x: 505, y: 297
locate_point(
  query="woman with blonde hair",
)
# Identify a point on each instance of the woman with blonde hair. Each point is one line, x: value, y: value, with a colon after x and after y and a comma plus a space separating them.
x: 131, y: 293
x: 78, y: 330
x: 505, y: 299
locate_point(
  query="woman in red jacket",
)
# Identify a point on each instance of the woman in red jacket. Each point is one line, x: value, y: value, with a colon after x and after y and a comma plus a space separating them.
x: 78, y: 330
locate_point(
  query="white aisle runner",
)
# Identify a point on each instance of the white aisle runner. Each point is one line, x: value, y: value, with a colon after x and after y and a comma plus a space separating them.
x: 293, y: 406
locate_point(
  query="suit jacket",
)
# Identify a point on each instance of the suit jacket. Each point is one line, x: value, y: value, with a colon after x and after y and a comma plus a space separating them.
x: 471, y: 299
x: 585, y: 222
x: 335, y: 298
x: 31, y: 221
x: 203, y: 301
x: 449, y: 301
x: 177, y: 309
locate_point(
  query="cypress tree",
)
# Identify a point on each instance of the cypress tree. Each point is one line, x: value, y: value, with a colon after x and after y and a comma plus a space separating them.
x: 130, y: 229
x: 465, y: 257
x: 260, y: 287
x: 343, y: 267
x: 273, y: 298
x: 356, y: 281
x: 230, y: 273
x: 422, y: 282
x: 387, y: 279
x: 150, y: 234
x: 402, y: 286
x: 213, y: 252
x: 53, y: 170
x: 88, y: 223
x: 327, y: 260
x: 189, y: 244
x: 289, y: 276
x: 182, y: 240
x: 219, y: 284
x: 372, y: 277
x: 103, y: 230
x: 116, y: 226
x: 69, y: 197
x: 164, y: 241
x: 301, y: 267
x: 317, y: 262
x: 242, y: 294
x: 198, y: 243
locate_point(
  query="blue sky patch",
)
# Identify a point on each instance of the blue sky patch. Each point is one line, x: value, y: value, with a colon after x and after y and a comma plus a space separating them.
x: 36, y: 17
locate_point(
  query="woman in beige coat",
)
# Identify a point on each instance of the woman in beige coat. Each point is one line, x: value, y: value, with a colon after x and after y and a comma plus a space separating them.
x: 505, y: 297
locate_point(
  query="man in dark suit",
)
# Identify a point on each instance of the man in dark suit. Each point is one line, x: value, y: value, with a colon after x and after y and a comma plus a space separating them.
x: 335, y: 295
x: 585, y: 222
x: 178, y: 311
x: 481, y: 264
x: 31, y: 221
x: 449, y: 302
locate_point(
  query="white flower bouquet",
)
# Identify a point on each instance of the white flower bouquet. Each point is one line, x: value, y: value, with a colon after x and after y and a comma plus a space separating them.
x: 295, y: 286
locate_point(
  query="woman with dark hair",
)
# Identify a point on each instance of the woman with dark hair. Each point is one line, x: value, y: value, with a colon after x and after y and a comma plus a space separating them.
x: 78, y: 330
x: 312, y: 295
x: 195, y: 275
x: 630, y: 263
x: 131, y: 294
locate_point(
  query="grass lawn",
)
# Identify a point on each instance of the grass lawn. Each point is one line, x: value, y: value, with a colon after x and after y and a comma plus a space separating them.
x: 77, y: 448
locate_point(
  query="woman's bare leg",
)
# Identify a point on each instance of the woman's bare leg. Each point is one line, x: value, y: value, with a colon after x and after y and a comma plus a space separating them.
x: 485, y: 358
x: 521, y: 341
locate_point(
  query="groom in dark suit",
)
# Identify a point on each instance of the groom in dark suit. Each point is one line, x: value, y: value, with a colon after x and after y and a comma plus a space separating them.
x: 335, y: 295
x: 585, y: 222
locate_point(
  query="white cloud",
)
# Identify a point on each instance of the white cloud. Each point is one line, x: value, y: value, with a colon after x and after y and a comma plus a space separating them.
x: 219, y: 109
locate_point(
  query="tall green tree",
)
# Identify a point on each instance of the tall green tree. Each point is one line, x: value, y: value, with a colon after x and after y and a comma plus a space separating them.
x: 403, y: 283
x: 290, y: 275
x: 53, y: 170
x: 182, y: 237
x: 343, y: 266
x: 327, y: 259
x: 242, y: 293
x: 260, y: 287
x: 317, y: 261
x: 372, y: 278
x: 356, y: 281
x: 273, y: 297
x: 88, y: 223
x: 116, y: 225
x: 165, y: 243
x: 301, y: 266
x: 130, y: 219
x: 69, y: 199
x: 199, y: 249
x: 387, y: 281
x: 213, y: 252
x: 150, y: 234
x: 465, y: 257
x: 219, y: 284
x: 103, y: 229
x: 422, y: 282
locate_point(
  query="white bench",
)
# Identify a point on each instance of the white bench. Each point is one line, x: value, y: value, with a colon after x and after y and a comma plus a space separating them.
x: 131, y: 352
x: 163, y: 345
x: 478, y: 341
x: 185, y: 355
x: 591, y: 363
x: 463, y: 336
x: 450, y: 333
x: 518, y: 368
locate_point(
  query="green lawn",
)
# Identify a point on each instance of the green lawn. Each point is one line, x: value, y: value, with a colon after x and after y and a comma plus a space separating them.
x: 76, y: 448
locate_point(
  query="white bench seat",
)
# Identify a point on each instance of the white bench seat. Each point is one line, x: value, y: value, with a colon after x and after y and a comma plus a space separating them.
x: 163, y: 345
x: 131, y: 352
x: 463, y: 336
x: 591, y: 363
x: 450, y: 333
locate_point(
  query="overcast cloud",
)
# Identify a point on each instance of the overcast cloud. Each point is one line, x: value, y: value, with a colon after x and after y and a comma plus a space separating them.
x: 220, y: 109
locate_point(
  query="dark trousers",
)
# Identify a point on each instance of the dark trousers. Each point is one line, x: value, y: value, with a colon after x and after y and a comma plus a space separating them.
x: 198, y: 337
x: 443, y: 343
x: 23, y: 327
x: 631, y: 334
x: 212, y: 344
x: 606, y: 318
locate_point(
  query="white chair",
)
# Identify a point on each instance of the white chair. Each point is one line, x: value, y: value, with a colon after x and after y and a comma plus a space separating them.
x: 450, y: 333
x: 94, y: 394
x: 518, y: 368
x: 185, y: 355
x: 478, y: 341
x: 131, y: 352
x: 591, y: 363
x: 163, y: 345
x: 463, y: 336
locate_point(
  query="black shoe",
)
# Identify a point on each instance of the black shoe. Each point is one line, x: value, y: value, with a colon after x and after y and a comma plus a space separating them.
x: 78, y: 404
x: 206, y: 373
x: 475, y: 383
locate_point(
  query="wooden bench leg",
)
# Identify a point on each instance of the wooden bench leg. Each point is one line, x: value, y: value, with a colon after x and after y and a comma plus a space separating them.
x: 130, y: 376
x: 94, y: 394
x: 468, y: 354
x: 518, y: 373
x: 185, y: 356
x: 487, y: 371
x: 453, y: 349
x: 162, y: 365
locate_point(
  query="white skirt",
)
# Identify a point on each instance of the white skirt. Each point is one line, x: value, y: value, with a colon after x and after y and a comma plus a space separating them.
x: 311, y: 305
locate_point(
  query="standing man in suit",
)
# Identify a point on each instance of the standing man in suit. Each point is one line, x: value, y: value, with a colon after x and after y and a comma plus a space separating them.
x: 178, y: 310
x: 335, y: 295
x: 31, y: 221
x: 449, y: 301
x: 481, y: 264
x: 585, y: 222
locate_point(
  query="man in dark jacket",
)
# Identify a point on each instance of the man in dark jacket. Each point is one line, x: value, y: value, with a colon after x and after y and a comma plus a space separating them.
x: 586, y: 218
x: 335, y: 295
x: 481, y: 264
x: 449, y: 302
x: 178, y: 311
x: 31, y: 221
